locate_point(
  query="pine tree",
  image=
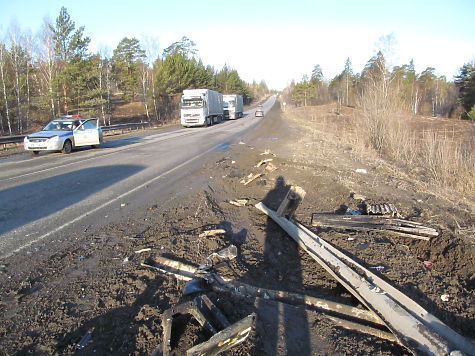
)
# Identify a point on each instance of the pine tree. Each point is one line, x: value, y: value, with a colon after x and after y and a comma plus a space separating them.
x: 126, y: 59
x: 465, y: 81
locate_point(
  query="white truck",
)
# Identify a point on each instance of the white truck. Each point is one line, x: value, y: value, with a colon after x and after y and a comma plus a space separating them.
x: 233, y: 106
x: 201, y: 107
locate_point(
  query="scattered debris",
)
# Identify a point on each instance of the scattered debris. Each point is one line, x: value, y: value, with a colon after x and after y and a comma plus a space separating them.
x: 226, y: 254
x: 250, y: 178
x: 239, y: 202
x: 267, y: 152
x: 398, y: 227
x: 352, y: 211
x: 351, y: 238
x: 428, y: 264
x: 125, y: 261
x: 242, y: 143
x: 211, y: 318
x: 379, y: 268
x: 445, y: 297
x: 357, y: 196
x: 143, y: 250
x: 362, y: 246
x: 361, y: 170
x: 415, y: 328
x: 382, y: 209
x: 84, y: 341
x: 270, y: 167
x: 263, y: 161
x: 212, y: 232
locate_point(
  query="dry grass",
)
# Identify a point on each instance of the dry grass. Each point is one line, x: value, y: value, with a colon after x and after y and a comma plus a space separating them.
x: 433, y: 151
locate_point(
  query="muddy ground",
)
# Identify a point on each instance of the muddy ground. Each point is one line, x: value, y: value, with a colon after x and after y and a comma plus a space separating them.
x: 96, y: 284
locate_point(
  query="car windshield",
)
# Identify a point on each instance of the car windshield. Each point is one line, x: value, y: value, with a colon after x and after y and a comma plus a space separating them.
x: 59, y: 125
x: 192, y: 103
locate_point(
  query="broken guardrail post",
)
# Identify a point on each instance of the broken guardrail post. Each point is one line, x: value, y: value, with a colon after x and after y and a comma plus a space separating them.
x: 291, y: 202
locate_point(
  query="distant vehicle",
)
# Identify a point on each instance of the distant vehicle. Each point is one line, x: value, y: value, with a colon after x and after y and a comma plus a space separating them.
x: 65, y: 134
x: 233, y: 106
x: 201, y: 107
x: 259, y: 111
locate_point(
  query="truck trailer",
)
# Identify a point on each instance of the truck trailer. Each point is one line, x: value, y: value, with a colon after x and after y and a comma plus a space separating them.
x: 201, y: 107
x: 233, y: 106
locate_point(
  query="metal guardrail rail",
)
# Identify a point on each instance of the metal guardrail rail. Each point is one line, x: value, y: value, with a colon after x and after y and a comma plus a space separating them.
x: 9, y: 140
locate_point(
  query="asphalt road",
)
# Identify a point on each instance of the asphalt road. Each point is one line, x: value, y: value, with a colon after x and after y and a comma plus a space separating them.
x: 47, y: 199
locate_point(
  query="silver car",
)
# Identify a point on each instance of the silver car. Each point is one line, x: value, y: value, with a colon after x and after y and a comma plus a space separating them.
x: 64, y: 135
x: 259, y: 111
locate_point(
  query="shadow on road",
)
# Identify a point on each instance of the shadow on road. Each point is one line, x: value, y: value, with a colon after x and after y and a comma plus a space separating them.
x: 29, y: 202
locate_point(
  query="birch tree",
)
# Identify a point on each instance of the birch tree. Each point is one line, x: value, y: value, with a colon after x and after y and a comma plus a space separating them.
x: 4, y: 86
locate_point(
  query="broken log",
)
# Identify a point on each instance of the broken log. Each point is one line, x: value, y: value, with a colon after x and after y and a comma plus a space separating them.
x: 409, y: 330
x: 212, y: 232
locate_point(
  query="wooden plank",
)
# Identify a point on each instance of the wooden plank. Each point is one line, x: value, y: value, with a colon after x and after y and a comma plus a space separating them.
x: 366, y: 222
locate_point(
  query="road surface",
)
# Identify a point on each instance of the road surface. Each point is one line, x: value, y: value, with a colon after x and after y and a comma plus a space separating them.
x: 47, y: 199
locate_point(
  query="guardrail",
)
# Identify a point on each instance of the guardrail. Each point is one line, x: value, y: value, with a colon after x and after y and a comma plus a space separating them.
x: 11, y: 141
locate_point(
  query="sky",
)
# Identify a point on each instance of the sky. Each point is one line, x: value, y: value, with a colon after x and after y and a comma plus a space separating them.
x: 275, y: 41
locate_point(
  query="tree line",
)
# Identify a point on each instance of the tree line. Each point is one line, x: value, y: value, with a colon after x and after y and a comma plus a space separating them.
x: 54, y: 73
x: 422, y: 93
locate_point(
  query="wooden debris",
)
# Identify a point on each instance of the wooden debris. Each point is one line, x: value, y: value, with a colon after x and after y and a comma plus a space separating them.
x: 291, y: 202
x: 239, y: 202
x: 399, y: 227
x: 267, y: 152
x: 212, y: 232
x: 357, y: 196
x: 262, y: 162
x: 250, y: 178
x: 270, y: 167
x: 143, y: 250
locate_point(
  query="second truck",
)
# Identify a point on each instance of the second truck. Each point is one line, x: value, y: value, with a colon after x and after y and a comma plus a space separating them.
x: 233, y: 106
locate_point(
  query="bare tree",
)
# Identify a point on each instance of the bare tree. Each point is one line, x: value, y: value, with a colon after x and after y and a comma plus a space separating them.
x: 48, y: 68
x: 152, y: 53
x: 28, y: 46
x: 15, y: 55
x: 105, y: 70
x: 3, y: 78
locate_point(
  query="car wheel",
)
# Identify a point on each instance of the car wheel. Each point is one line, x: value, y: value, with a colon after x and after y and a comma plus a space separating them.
x: 35, y: 153
x: 67, y: 147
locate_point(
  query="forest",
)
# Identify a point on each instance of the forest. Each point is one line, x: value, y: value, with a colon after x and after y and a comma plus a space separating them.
x: 53, y: 73
x: 422, y: 93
